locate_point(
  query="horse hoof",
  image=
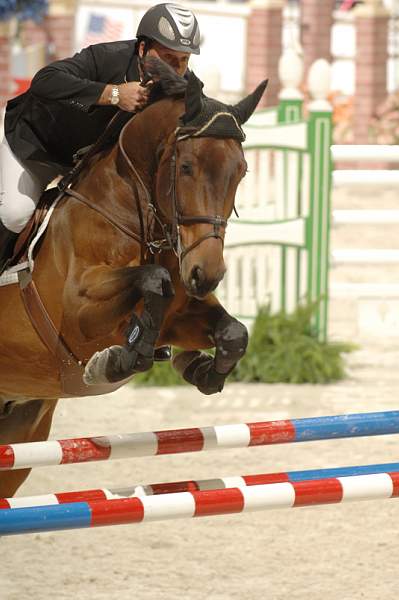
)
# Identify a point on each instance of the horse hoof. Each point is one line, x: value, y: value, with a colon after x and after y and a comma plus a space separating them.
x: 184, y: 359
x: 95, y: 370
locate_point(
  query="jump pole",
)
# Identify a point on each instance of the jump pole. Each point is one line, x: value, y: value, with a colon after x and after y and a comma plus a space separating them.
x: 155, y: 489
x: 88, y: 449
x: 198, y: 503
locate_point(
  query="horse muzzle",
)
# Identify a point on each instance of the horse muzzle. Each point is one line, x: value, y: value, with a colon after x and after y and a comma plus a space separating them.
x: 199, y: 284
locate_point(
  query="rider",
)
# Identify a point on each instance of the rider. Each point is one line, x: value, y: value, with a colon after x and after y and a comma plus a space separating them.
x: 70, y: 102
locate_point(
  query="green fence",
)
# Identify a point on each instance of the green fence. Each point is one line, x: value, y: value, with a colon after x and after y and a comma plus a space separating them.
x: 277, y: 252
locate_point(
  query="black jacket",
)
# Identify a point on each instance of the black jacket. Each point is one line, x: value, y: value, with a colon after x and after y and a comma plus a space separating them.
x: 58, y: 114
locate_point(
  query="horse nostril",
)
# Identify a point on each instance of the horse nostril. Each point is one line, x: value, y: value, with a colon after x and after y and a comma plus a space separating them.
x: 197, y: 277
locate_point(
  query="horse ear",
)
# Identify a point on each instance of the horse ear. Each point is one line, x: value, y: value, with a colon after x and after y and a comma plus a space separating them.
x: 244, y: 109
x: 193, y: 98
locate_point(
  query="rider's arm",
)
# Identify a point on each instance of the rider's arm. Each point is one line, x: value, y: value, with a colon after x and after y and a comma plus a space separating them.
x: 74, y: 79
x: 80, y: 80
x: 131, y: 96
x: 87, y: 78
x: 104, y: 99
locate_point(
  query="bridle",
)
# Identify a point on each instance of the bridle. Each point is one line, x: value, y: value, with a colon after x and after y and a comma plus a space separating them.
x: 173, y: 229
x: 171, y: 239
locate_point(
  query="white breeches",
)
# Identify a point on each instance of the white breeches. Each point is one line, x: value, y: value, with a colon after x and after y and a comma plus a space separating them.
x: 20, y: 189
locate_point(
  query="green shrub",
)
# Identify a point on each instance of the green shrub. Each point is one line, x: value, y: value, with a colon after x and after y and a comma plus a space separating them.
x: 162, y: 374
x: 282, y: 349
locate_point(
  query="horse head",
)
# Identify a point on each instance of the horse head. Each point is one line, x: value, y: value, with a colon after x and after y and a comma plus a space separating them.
x: 199, y: 168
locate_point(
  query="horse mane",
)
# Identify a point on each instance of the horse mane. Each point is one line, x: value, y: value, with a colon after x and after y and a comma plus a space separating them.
x: 205, y: 115
x: 167, y: 83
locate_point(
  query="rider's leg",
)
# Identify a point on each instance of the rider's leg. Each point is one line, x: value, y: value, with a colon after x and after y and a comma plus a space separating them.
x: 20, y: 191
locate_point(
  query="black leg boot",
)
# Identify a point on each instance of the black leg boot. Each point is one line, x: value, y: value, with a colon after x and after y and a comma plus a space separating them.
x: 7, y: 241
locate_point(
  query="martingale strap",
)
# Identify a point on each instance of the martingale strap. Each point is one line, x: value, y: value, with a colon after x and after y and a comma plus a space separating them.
x: 104, y: 213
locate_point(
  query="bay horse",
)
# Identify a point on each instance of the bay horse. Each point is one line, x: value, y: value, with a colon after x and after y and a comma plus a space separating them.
x: 129, y: 261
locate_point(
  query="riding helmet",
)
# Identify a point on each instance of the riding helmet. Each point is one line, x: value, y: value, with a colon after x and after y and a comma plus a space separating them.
x: 173, y: 26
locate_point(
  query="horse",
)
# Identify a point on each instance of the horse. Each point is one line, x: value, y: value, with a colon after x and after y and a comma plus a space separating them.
x: 129, y: 262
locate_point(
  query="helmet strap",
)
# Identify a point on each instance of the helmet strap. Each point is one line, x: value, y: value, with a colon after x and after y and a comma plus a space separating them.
x: 147, y: 45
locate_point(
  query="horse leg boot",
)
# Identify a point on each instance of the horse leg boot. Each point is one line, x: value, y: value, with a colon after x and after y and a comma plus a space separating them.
x: 209, y: 373
x: 121, y: 362
x: 7, y: 242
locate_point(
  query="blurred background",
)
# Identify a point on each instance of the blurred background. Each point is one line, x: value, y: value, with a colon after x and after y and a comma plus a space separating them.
x: 241, y: 41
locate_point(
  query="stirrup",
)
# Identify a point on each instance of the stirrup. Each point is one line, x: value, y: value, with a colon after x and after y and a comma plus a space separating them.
x: 163, y: 353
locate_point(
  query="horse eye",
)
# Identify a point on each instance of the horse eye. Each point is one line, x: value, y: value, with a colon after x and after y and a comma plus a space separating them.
x: 186, y: 169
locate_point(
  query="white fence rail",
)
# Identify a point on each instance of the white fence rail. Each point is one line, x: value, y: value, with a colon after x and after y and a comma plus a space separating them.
x: 376, y: 256
x: 370, y: 152
x: 365, y: 217
x: 364, y: 177
x: 376, y: 177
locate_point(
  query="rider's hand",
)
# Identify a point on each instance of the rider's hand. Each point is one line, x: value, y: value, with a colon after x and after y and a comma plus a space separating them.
x: 132, y: 96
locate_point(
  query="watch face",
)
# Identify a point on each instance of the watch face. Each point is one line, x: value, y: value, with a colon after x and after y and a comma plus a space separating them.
x: 115, y: 95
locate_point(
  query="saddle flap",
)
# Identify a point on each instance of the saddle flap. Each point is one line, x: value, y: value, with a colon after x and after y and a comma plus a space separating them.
x: 32, y: 226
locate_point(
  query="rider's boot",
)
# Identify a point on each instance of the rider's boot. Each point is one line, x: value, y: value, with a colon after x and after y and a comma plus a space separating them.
x: 7, y: 242
x: 163, y: 353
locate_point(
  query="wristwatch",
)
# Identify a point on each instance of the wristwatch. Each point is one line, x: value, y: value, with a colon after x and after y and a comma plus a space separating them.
x: 115, y: 95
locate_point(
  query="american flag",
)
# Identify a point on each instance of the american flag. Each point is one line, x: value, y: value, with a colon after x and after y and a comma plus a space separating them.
x: 348, y: 4
x: 101, y: 28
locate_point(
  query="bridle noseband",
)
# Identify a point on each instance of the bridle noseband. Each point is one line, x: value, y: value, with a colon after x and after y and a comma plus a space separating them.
x: 218, y: 222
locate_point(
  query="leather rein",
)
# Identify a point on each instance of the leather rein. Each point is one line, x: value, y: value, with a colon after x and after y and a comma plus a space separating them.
x: 171, y: 235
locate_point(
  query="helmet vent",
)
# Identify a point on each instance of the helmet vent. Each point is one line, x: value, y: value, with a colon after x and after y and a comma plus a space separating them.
x: 183, y: 19
x: 166, y: 29
x: 171, y: 25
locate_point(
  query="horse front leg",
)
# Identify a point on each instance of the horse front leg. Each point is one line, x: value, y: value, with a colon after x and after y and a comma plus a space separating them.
x: 219, y: 329
x: 150, y: 283
x: 24, y: 420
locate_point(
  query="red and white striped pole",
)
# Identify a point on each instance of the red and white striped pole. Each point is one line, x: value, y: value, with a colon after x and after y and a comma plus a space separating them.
x: 198, y: 503
x: 155, y: 489
x: 196, y: 439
